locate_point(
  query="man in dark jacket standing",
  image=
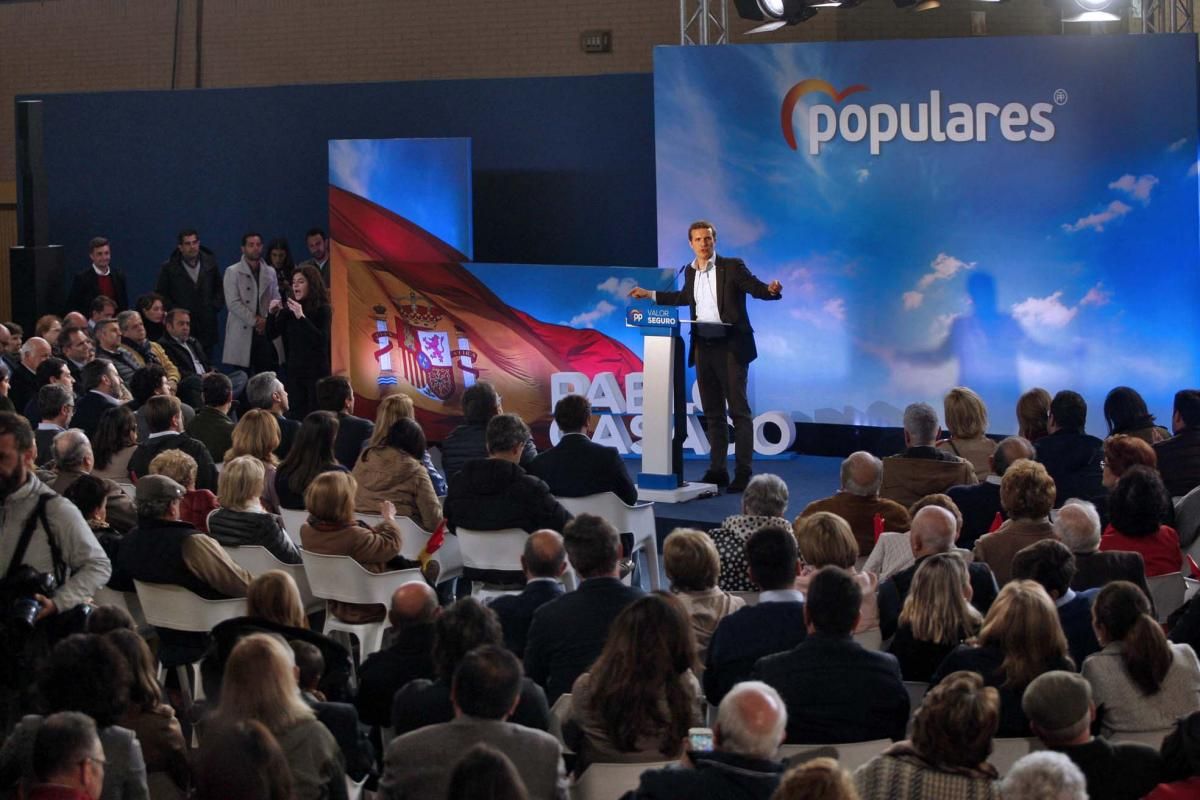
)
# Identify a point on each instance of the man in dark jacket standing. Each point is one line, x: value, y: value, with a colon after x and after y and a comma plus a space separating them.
x: 99, y: 278
x: 190, y: 279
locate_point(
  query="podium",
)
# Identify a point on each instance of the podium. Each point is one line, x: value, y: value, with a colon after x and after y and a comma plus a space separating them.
x: 660, y: 480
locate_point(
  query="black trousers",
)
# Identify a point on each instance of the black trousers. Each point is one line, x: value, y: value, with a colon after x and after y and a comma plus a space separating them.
x: 722, y: 379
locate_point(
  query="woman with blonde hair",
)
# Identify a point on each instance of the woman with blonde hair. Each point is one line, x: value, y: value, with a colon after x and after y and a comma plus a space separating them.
x: 967, y: 419
x: 1020, y: 639
x: 1026, y: 494
x: 257, y: 434
x: 180, y: 467
x: 693, y: 568
x: 936, y: 618
x: 260, y: 685
x: 395, y: 407
x: 824, y: 539
x: 816, y: 779
x: 241, y: 520
x: 1033, y: 414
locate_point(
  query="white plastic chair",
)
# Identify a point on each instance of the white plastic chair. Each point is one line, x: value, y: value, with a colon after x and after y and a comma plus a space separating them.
x: 560, y: 712
x: 638, y: 520
x: 413, y: 539
x: 256, y: 560
x: 1167, y: 592
x: 343, y: 579
x: 354, y: 789
x: 1007, y: 751
x: 105, y: 596
x: 1187, y: 521
x: 293, y: 518
x: 177, y: 609
x: 610, y: 781
x: 916, y: 693
x: 498, y: 550
x: 850, y: 756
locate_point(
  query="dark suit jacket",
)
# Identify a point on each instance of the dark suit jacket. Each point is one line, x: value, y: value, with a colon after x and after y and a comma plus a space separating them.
x: 204, y: 298
x: 206, y: 472
x: 516, y: 611
x: 1076, y: 620
x: 1179, y: 462
x: 88, y: 409
x: 352, y: 434
x: 342, y: 721
x: 979, y: 504
x: 287, y: 433
x: 422, y: 702
x: 715, y: 775
x: 384, y: 673
x: 44, y: 438
x: 1073, y: 461
x: 893, y: 591
x: 179, y: 355
x: 86, y: 287
x: 1093, y: 570
x: 734, y: 282
x: 744, y: 637
x: 837, y: 691
x: 22, y: 387
x: 578, y: 467
x: 567, y: 634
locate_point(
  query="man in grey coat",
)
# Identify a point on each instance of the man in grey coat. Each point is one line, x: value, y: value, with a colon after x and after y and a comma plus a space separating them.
x: 485, y: 691
x: 251, y: 285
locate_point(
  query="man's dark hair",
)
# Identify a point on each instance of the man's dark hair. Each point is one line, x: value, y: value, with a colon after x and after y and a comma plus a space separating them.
x: 505, y: 432
x: 92, y: 372
x: 461, y: 627
x: 833, y: 602
x: 593, y: 545
x: 1139, y: 503
x: 64, y: 337
x: 101, y: 302
x: 316, y: 232
x: 160, y: 410
x: 572, y: 413
x: 87, y: 492
x: 487, y: 682
x: 145, y: 382
x: 309, y: 661
x: 216, y: 389
x: 1187, y: 405
x: 538, y: 565
x: 18, y: 426
x: 479, y: 403
x: 332, y: 393
x: 96, y: 242
x: 186, y: 232
x: 406, y: 435
x: 146, y: 301
x: 771, y: 556
x: 248, y: 235
x: 51, y: 398
x: 1069, y: 410
x: 86, y: 673
x: 62, y: 741
x: 105, y: 619
x: 175, y: 313
x: 52, y: 367
x: 1049, y: 562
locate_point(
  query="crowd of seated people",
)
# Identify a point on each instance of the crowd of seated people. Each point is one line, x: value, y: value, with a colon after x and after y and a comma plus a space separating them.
x: 165, y: 464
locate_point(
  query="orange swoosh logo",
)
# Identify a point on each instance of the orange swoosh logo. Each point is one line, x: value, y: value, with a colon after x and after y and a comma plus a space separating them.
x: 802, y: 88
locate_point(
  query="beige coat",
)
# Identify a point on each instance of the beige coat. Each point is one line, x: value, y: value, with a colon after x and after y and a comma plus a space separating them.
x: 373, y: 548
x: 385, y: 473
x: 705, y: 611
x: 997, y: 549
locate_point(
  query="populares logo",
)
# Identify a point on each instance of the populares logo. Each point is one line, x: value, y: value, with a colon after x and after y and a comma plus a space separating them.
x: 915, y: 122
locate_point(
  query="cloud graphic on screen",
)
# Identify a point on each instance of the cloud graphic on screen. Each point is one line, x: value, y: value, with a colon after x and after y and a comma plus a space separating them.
x: 836, y: 308
x: 1194, y: 169
x: 1096, y: 296
x: 912, y: 300
x: 617, y: 287
x: 588, y: 318
x: 862, y: 175
x: 944, y: 268
x: 1097, y: 221
x: 1177, y: 145
x: 351, y: 162
x: 1037, y: 313
x: 1137, y: 188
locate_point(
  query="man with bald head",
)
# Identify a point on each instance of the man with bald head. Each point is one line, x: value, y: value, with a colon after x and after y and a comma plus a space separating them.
x: 23, y: 383
x: 544, y: 561
x: 933, y: 531
x: 410, y: 655
x: 751, y: 722
x: 858, y: 501
x: 980, y: 502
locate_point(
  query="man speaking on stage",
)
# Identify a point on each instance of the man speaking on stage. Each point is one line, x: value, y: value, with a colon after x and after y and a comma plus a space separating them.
x: 715, y: 288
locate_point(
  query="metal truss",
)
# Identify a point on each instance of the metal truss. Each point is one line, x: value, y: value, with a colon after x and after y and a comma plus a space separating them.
x: 707, y: 21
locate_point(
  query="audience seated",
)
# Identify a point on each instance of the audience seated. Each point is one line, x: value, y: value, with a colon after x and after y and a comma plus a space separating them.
x: 1125, y: 412
x: 638, y: 700
x: 1140, y: 681
x: 1181, y: 762
x: 73, y: 458
x: 90, y: 496
x: 55, y: 405
x: 576, y: 466
x: 114, y: 443
x: 693, y: 567
x: 823, y: 540
x: 23, y: 384
x: 764, y: 503
x: 408, y: 655
x: 1121, y: 452
x: 821, y: 777
x: 197, y: 504
x: 394, y: 471
x: 835, y: 689
x: 266, y: 391
x: 51, y: 372
x: 936, y: 616
x: 1137, y: 508
x: 335, y: 394
x: 567, y: 634
x: 1060, y: 711
x: 187, y: 352
x: 241, y: 519
x: 893, y: 552
x: 922, y: 468
x: 1027, y: 493
x: 486, y: 772
x: 165, y: 419
x: 1020, y: 639
x: 776, y: 624
x: 1051, y: 565
x: 932, y: 532
x: 947, y: 753
x: 1071, y: 456
x: 485, y: 690
x: 858, y: 501
x: 101, y: 691
x: 394, y: 407
x: 980, y: 503
x: 1033, y: 414
x: 457, y: 631
x: 68, y: 760
x: 310, y: 456
x: 147, y: 382
x: 468, y: 441
x: 967, y: 419
x: 742, y: 763
x: 257, y: 434
x: 544, y: 561
x: 102, y: 390
x: 5, y: 384
x: 212, y: 425
x: 1043, y: 774
x: 1179, y: 456
x: 77, y: 349
x: 340, y: 718
x: 1078, y: 527
x: 260, y: 685
x: 139, y: 350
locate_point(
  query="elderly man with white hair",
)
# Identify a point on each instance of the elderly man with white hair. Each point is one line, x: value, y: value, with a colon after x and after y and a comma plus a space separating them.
x: 858, y: 501
x: 933, y: 531
x: 1077, y: 525
x: 742, y: 764
x: 1044, y: 775
x: 764, y: 503
x: 922, y: 468
x: 73, y: 458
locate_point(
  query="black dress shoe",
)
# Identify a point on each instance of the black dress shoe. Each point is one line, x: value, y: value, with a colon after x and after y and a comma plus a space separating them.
x: 739, y: 482
x: 720, y: 478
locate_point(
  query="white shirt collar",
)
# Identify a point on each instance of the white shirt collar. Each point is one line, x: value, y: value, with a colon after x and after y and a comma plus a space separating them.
x: 1066, y: 598
x: 781, y: 596
x: 993, y: 479
x: 98, y: 272
x: 711, y: 263
x: 162, y: 433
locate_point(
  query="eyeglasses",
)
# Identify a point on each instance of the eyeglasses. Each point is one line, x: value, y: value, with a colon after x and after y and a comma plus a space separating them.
x: 100, y: 762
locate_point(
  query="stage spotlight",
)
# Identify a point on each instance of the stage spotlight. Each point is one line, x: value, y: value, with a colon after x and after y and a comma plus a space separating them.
x: 1093, y: 10
x: 918, y: 5
x: 777, y: 13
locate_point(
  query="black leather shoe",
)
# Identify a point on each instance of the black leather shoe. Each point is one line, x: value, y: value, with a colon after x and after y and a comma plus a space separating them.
x: 720, y: 478
x: 739, y: 482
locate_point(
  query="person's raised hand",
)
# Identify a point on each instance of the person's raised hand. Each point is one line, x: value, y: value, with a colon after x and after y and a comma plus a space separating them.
x: 774, y: 287
x: 387, y: 510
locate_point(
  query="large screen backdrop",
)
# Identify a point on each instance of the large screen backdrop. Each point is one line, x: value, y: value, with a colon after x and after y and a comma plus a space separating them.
x: 999, y: 213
